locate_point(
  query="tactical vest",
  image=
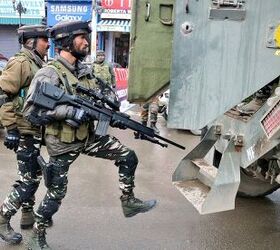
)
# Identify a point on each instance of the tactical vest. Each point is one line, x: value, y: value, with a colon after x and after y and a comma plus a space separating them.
x: 103, y: 71
x: 62, y: 130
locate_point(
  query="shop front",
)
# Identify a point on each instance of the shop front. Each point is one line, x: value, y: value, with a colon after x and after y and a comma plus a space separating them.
x: 113, y: 30
x: 33, y: 12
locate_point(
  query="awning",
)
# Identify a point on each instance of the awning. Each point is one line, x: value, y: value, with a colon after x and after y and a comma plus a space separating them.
x: 114, y: 25
x: 15, y: 20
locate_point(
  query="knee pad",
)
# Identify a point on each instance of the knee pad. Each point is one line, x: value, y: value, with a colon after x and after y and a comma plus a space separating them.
x: 60, y: 182
x: 130, y: 160
x: 128, y: 163
x: 27, y: 162
x: 48, y: 208
x: 26, y: 192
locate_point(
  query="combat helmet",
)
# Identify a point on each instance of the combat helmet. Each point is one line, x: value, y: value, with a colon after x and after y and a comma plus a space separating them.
x: 100, y: 52
x: 64, y: 33
x: 32, y: 31
x: 67, y: 30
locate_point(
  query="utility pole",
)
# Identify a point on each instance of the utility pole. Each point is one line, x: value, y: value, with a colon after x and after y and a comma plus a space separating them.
x: 20, y: 9
x: 96, y: 9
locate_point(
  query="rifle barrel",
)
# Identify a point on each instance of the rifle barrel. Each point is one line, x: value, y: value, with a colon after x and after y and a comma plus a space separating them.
x: 170, y: 142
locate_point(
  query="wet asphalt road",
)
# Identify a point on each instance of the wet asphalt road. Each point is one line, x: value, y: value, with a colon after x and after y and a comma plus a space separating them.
x: 91, y: 218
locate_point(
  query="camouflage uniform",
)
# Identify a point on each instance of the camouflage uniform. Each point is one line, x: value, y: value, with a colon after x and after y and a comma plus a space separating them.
x: 21, y: 136
x: 153, y: 108
x: 64, y: 143
x: 15, y: 81
x: 104, y: 71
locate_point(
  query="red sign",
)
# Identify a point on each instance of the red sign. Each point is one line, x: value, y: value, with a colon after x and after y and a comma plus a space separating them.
x: 117, y: 4
x: 121, y: 75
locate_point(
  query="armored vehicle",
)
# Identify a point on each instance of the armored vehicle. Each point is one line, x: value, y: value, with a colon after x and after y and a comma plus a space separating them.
x: 221, y: 61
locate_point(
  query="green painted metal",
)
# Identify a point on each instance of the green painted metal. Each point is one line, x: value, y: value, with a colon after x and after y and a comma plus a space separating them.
x: 151, y: 45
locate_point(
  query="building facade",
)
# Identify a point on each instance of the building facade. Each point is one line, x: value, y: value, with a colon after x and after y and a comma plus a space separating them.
x: 32, y: 12
x: 113, y: 29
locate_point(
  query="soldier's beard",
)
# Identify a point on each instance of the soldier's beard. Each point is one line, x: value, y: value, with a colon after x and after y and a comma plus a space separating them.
x: 79, y: 54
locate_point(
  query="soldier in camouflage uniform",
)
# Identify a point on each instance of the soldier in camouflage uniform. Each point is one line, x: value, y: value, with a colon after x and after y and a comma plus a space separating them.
x: 151, y: 107
x: 64, y: 142
x: 104, y: 70
x: 21, y: 136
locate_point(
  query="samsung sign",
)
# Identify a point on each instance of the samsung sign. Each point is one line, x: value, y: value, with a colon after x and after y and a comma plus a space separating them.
x: 76, y: 11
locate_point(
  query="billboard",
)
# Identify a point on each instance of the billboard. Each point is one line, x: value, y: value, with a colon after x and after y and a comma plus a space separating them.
x: 116, y: 4
x: 34, y: 9
x: 71, y: 11
x: 118, y: 9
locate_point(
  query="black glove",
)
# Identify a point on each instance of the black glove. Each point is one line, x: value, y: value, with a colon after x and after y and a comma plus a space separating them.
x: 118, y: 124
x: 77, y: 117
x: 80, y: 116
x: 12, y: 139
x: 46, y: 119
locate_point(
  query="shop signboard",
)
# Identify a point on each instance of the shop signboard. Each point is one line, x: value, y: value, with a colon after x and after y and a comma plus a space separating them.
x: 35, y: 10
x: 116, y: 9
x: 121, y: 75
x: 68, y: 11
x: 117, y: 4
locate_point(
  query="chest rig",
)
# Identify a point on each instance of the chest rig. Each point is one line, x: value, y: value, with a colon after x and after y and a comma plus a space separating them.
x: 103, y: 71
x: 68, y: 81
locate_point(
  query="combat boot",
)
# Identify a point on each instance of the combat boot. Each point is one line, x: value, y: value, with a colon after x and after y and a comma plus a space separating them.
x: 7, y: 233
x: 38, y: 240
x: 132, y: 206
x: 27, y: 218
x: 154, y: 127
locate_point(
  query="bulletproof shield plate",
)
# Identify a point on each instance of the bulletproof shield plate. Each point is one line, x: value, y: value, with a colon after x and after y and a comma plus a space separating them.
x: 150, y: 48
x: 221, y: 55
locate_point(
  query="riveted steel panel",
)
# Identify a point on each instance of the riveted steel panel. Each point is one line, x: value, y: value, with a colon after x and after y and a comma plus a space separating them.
x: 218, y: 63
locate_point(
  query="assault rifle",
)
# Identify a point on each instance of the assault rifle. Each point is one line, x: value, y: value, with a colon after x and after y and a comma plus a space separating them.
x: 100, y: 95
x: 47, y: 96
